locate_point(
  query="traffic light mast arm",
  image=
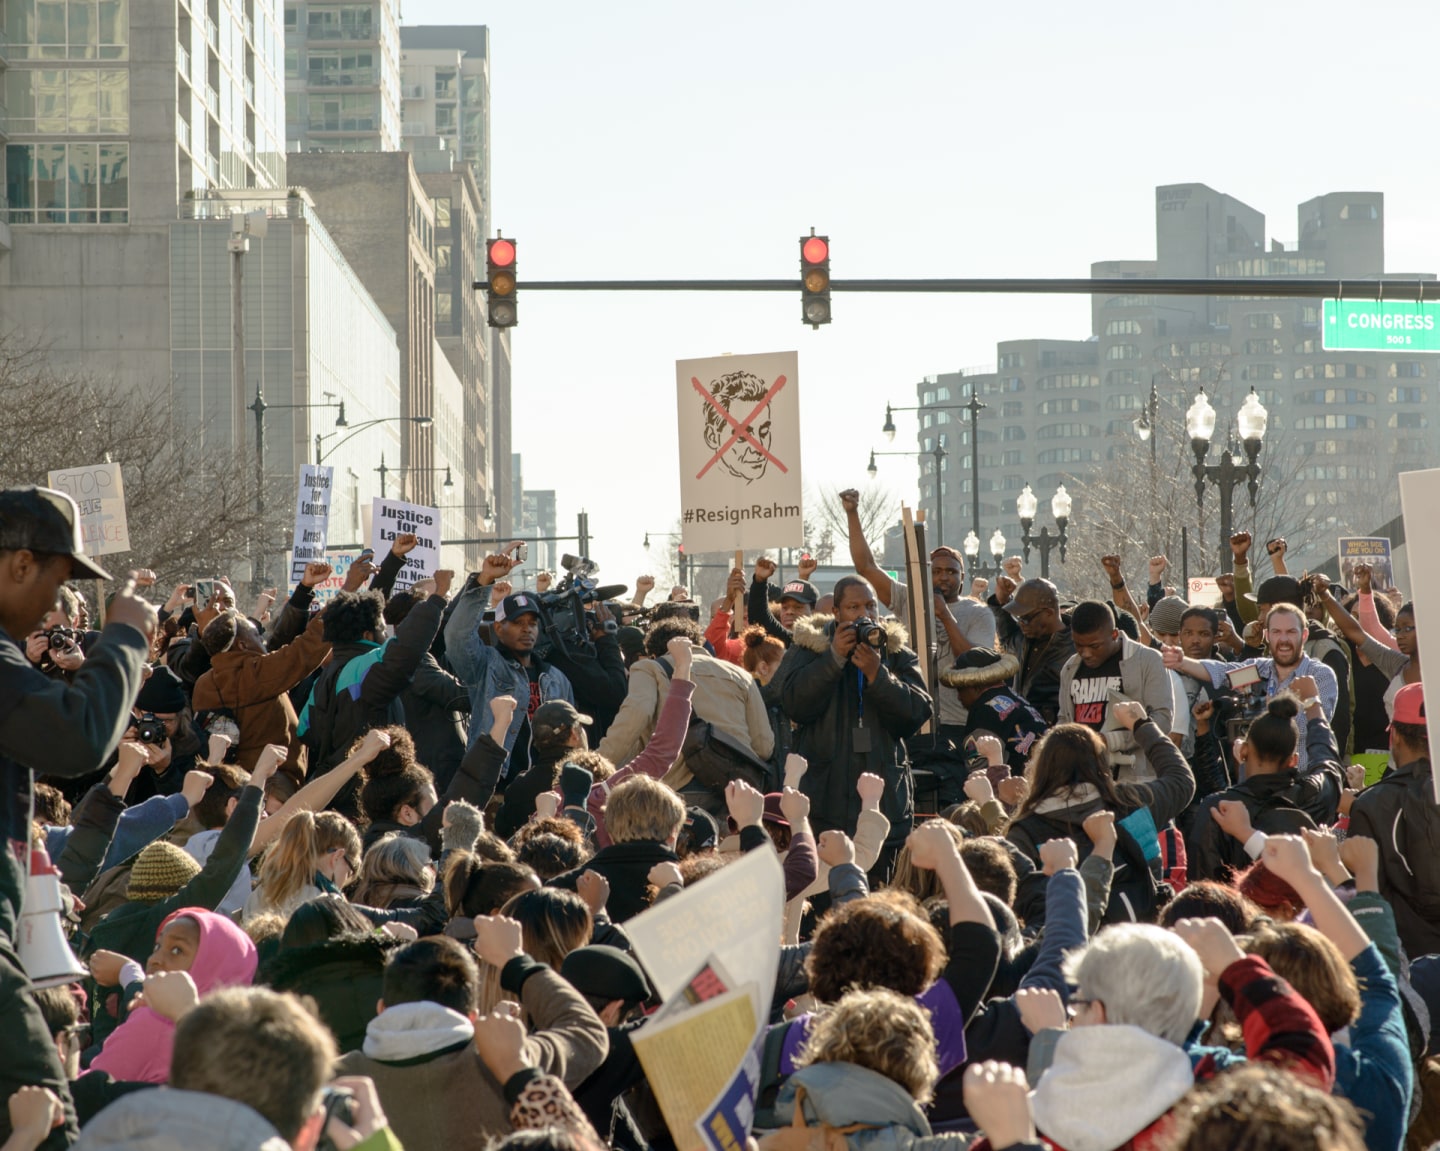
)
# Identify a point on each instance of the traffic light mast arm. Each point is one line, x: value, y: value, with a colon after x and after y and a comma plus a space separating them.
x: 1421, y: 290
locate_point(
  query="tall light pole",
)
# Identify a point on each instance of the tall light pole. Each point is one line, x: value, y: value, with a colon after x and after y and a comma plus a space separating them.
x: 1060, y: 505
x: 244, y: 225
x: 1226, y: 476
x: 938, y: 454
x: 260, y: 407
x: 385, y: 471
x: 974, y: 407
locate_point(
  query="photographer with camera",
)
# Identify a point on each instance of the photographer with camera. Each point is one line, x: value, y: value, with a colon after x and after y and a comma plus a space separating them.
x: 57, y: 647
x: 164, y: 725
x: 500, y: 658
x: 854, y: 691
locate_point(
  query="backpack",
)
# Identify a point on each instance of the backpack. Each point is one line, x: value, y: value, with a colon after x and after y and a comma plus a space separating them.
x: 1135, y: 890
x: 715, y: 757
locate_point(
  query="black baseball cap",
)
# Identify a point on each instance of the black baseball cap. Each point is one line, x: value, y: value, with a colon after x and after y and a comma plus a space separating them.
x: 1277, y: 589
x: 556, y: 717
x: 517, y: 604
x: 44, y: 520
x: 802, y: 590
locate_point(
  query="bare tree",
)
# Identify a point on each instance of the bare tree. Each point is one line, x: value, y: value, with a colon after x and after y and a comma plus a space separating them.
x: 191, y: 510
x: 879, y: 508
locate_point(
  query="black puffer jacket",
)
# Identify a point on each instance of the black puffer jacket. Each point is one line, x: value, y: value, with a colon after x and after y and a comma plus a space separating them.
x: 343, y: 976
x: 829, y: 703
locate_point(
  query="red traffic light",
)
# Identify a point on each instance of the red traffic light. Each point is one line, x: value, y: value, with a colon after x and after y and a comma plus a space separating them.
x: 502, y: 253
x: 815, y: 250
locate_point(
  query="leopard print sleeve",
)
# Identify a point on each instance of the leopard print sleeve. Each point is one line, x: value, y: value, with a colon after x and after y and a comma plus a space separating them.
x: 544, y: 1101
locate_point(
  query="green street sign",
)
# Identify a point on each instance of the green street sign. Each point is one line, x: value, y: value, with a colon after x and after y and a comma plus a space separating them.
x: 1375, y: 326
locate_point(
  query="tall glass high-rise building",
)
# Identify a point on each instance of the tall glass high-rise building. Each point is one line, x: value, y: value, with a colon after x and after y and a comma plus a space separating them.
x: 114, y: 110
x: 342, y: 70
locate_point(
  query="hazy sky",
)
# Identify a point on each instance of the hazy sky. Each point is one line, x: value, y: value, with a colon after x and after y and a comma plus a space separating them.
x: 927, y: 139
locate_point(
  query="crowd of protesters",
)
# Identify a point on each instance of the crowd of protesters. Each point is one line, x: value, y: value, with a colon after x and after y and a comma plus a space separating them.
x: 1094, y: 873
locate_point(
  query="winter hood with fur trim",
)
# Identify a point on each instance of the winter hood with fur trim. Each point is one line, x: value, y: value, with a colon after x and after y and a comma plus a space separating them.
x: 813, y: 633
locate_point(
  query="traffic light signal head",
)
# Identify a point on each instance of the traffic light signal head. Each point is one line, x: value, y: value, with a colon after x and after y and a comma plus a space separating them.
x: 815, y: 279
x: 500, y: 282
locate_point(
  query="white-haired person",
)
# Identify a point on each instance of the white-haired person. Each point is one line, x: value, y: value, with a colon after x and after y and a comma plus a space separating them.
x: 1140, y: 992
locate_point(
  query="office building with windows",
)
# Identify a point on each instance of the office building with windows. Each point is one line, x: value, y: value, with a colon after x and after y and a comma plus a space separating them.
x: 342, y: 75
x: 131, y: 130
x: 114, y: 109
x: 1342, y: 425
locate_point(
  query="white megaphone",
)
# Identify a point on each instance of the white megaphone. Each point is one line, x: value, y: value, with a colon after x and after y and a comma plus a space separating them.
x: 44, y: 953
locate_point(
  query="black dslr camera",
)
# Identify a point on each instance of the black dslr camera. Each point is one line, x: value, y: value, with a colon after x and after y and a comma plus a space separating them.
x: 870, y: 633
x: 150, y: 728
x: 62, y: 637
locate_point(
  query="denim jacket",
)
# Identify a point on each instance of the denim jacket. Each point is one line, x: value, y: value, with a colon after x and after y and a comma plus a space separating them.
x: 487, y: 671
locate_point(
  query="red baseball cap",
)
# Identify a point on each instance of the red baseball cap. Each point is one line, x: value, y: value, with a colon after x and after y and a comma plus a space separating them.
x: 1410, y: 705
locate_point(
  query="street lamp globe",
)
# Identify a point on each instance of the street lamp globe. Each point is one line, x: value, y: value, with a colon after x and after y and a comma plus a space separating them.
x: 1060, y: 503
x: 997, y: 544
x: 872, y: 469
x: 1253, y: 418
x: 889, y: 428
x: 1026, y: 504
x: 1142, y: 426
x: 971, y: 544
x: 1200, y: 419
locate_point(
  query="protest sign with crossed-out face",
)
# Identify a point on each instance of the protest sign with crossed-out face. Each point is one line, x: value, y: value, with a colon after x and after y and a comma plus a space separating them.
x: 739, y: 435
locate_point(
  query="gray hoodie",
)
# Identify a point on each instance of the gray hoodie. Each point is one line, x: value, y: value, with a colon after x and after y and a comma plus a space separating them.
x: 169, y: 1120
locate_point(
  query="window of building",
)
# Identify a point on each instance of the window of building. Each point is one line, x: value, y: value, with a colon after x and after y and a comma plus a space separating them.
x: 942, y: 393
x: 1124, y: 402
x: 1012, y: 360
x: 1336, y: 472
x: 1068, y: 456
x: 1012, y: 409
x: 1334, y: 372
x: 1122, y: 378
x: 1011, y: 458
x: 1123, y: 328
x: 1409, y: 420
x: 67, y: 29
x: 1264, y: 348
x: 1333, y: 422
x: 1067, y: 432
x: 1260, y: 372
x: 1065, y: 405
x: 1122, y: 352
x: 77, y: 101
x: 1409, y: 396
x: 1359, y: 212
x: 927, y: 397
x: 1336, y: 396
x: 1307, y: 347
x: 1068, y: 380
x: 1263, y: 321
x: 1010, y: 434
x: 1406, y: 370
x: 68, y: 183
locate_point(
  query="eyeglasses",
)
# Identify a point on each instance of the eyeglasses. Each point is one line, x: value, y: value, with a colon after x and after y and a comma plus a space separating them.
x: 1022, y: 620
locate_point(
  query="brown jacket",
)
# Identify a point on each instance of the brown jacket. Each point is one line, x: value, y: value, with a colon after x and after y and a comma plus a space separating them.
x: 252, y: 685
x: 449, y: 1099
x: 725, y: 695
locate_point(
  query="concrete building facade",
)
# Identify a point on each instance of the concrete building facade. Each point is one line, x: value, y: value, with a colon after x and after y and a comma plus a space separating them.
x: 384, y: 223
x: 1062, y: 411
